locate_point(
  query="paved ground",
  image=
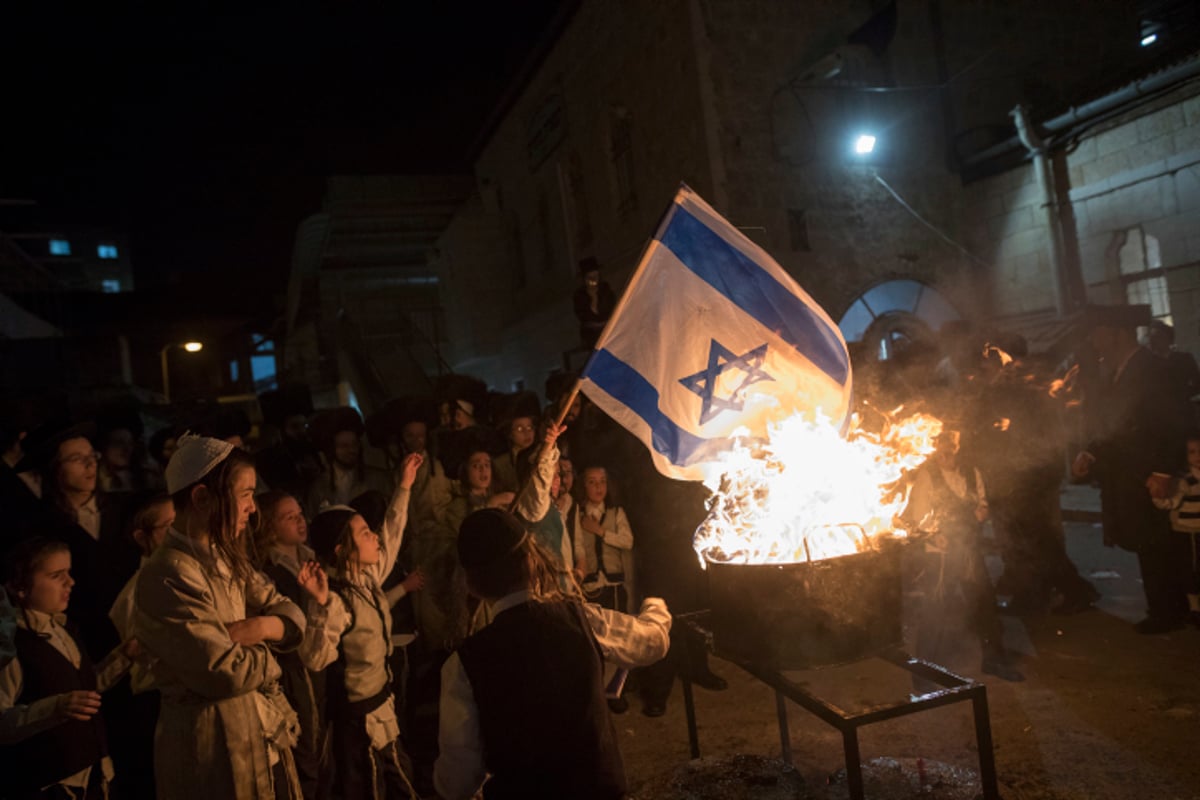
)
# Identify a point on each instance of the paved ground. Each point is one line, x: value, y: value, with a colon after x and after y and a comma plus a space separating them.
x: 1104, y: 713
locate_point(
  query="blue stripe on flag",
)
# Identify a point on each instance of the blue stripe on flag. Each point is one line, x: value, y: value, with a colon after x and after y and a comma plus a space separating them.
x: 732, y: 273
x: 626, y: 385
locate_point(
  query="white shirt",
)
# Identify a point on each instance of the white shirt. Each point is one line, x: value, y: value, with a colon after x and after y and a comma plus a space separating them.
x: 88, y: 516
x: 625, y: 640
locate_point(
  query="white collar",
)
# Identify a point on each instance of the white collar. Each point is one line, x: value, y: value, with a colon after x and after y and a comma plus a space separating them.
x: 40, y: 621
x: 511, y: 601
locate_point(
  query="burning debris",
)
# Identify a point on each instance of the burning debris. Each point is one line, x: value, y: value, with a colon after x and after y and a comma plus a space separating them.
x: 811, y: 493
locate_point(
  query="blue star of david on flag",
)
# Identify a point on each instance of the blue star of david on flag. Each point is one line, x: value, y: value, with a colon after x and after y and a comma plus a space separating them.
x: 720, y: 360
x: 704, y: 294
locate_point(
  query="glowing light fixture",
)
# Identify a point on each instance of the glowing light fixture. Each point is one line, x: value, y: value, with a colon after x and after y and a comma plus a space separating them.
x: 193, y: 347
x: 864, y: 144
x: 1149, y: 39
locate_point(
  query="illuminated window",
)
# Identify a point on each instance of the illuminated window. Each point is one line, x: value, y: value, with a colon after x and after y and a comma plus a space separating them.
x: 60, y: 247
x: 1140, y: 260
x: 262, y: 363
x: 110, y: 286
x: 106, y: 251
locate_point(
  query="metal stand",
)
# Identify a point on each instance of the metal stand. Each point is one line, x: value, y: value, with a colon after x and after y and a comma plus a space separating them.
x: 955, y: 689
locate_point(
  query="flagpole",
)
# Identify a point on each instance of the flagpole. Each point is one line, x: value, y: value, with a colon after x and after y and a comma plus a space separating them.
x: 617, y: 309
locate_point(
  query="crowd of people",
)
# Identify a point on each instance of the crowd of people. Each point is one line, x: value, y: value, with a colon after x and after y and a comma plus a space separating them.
x: 462, y: 601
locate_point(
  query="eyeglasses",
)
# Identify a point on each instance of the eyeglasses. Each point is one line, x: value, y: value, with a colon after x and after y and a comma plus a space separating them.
x: 83, y: 459
x: 522, y: 428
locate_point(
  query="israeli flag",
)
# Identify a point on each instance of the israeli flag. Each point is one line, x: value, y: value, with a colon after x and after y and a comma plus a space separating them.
x: 713, y: 341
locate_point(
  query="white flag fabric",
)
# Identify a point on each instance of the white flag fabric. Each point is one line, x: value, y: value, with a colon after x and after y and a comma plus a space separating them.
x: 713, y: 341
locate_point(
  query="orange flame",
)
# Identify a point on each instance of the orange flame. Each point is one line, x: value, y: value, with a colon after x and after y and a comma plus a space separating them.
x: 812, y: 494
x: 1005, y: 358
x: 1066, y: 383
x: 1002, y: 424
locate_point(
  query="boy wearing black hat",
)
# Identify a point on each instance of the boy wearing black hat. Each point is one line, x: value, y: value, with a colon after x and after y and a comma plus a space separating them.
x: 523, y: 699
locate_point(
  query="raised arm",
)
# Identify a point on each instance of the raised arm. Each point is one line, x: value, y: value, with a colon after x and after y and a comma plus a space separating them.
x: 391, y: 535
x: 533, y: 502
x: 630, y: 641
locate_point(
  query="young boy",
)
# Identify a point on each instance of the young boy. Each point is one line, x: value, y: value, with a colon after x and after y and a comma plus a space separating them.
x: 1184, y: 505
x: 523, y: 699
x: 135, y: 705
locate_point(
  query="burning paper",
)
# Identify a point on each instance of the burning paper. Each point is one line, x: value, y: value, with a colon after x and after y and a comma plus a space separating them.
x: 812, y: 493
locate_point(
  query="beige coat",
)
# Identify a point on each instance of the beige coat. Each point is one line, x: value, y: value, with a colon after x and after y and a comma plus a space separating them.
x: 218, y: 697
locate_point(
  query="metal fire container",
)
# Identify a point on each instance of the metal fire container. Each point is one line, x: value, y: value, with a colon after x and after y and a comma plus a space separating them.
x: 804, y: 615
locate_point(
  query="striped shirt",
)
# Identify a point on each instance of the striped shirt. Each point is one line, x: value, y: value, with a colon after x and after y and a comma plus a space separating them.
x: 1185, y: 504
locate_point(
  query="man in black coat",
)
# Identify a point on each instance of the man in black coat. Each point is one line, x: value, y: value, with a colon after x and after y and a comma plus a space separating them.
x: 1138, y: 427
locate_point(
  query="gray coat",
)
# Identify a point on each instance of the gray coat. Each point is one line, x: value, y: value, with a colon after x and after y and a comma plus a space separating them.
x: 220, y: 700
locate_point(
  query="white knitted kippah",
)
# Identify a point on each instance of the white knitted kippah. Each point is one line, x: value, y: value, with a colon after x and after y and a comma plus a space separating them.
x: 194, y: 457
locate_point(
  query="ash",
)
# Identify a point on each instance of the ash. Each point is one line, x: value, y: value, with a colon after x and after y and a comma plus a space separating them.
x: 735, y: 778
x: 904, y: 778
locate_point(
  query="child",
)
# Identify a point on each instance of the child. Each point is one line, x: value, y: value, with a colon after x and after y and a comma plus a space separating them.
x: 349, y: 614
x: 522, y: 699
x: 52, y: 734
x: 212, y: 622
x: 153, y: 518
x: 1184, y: 505
x: 133, y: 709
x: 603, y: 544
x: 603, y: 552
x: 949, y: 501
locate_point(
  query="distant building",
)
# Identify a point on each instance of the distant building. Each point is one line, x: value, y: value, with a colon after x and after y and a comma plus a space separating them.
x: 364, y: 318
x: 82, y: 259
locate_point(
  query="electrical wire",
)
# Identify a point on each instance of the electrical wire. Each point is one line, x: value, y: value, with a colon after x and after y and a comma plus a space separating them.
x: 937, y: 231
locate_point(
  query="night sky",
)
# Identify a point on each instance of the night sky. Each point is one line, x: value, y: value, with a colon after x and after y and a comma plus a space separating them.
x: 207, y: 137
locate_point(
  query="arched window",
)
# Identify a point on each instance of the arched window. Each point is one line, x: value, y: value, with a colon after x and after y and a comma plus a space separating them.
x: 1140, y: 261
x: 890, y: 315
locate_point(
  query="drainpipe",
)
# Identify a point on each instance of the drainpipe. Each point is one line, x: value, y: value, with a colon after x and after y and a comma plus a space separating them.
x: 1062, y: 125
x: 1049, y: 203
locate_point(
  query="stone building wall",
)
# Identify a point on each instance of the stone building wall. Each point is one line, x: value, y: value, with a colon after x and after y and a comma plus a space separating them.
x: 1138, y: 172
x: 553, y: 191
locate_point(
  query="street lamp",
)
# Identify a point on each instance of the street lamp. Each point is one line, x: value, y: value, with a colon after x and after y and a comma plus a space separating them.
x: 190, y: 347
x: 864, y: 144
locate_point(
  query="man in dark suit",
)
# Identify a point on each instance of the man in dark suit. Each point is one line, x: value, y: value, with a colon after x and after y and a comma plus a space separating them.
x: 1138, y: 427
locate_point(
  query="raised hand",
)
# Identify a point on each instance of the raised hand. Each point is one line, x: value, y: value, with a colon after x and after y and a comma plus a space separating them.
x: 408, y: 469
x: 552, y: 433
x: 312, y: 579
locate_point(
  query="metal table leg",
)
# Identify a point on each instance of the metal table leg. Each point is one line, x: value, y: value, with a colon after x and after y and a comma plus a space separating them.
x: 983, y: 740
x: 689, y: 707
x: 854, y: 779
x: 785, y: 735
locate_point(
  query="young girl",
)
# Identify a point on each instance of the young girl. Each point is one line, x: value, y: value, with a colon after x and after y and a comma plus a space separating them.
x: 211, y: 622
x: 52, y: 736
x: 349, y: 615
